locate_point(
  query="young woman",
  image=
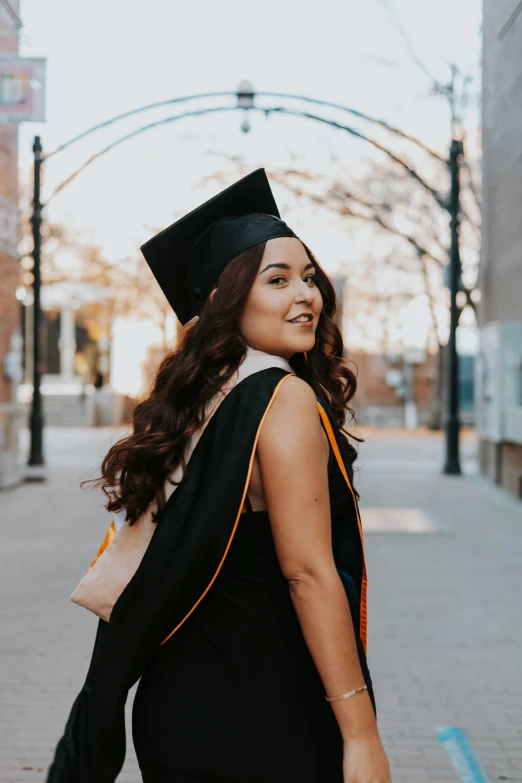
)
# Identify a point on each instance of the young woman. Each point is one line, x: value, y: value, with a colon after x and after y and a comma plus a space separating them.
x: 246, y: 618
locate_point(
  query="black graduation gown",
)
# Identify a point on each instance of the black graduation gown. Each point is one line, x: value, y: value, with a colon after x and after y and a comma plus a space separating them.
x: 153, y: 625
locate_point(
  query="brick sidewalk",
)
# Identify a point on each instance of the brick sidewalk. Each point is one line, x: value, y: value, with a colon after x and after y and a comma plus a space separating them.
x: 50, y: 532
x: 444, y: 610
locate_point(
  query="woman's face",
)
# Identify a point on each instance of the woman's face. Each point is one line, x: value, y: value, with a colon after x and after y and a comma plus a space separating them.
x: 283, y: 308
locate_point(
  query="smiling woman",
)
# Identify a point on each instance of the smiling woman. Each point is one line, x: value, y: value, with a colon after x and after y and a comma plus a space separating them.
x: 248, y: 605
x: 282, y: 311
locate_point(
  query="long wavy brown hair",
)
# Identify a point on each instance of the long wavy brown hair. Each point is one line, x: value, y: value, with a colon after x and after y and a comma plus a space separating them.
x: 208, y: 353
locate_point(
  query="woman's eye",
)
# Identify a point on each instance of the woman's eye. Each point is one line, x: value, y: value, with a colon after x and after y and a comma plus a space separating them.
x: 310, y: 279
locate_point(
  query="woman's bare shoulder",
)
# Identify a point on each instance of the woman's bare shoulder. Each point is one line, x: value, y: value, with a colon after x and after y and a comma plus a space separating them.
x: 293, y: 419
x: 295, y: 399
x: 296, y: 392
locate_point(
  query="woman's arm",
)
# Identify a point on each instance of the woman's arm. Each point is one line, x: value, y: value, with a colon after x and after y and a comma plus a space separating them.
x: 292, y: 452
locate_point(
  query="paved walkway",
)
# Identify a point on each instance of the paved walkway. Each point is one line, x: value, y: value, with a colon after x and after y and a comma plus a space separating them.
x: 445, y: 644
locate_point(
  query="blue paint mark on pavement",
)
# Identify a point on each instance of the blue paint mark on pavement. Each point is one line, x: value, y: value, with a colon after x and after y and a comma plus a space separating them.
x: 461, y: 754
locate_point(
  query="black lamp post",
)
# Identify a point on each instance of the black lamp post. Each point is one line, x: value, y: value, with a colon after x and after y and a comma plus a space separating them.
x: 36, y: 417
x: 452, y: 464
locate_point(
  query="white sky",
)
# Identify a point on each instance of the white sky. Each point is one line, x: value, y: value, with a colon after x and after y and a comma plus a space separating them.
x: 106, y: 57
x: 109, y: 56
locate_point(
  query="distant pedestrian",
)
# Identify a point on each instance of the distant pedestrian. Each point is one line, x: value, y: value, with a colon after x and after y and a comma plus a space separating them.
x: 98, y: 380
x: 236, y: 591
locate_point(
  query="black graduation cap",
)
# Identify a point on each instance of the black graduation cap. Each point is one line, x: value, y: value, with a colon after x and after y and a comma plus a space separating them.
x: 187, y: 257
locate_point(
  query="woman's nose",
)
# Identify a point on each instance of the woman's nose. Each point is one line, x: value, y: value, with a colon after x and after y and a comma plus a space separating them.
x: 304, y: 293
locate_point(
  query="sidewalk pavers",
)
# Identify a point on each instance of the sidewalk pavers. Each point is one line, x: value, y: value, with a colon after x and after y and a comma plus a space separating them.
x: 445, y: 641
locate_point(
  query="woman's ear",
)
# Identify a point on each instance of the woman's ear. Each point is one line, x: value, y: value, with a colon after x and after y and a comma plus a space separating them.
x: 212, y: 294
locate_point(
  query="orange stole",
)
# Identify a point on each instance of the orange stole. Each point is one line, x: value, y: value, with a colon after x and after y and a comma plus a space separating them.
x: 111, y: 532
x: 363, y: 630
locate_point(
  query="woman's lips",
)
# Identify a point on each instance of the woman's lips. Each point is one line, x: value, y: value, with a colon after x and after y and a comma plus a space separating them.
x: 305, y: 324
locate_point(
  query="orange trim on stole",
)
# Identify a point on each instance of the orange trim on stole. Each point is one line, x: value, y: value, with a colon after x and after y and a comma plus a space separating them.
x: 363, y: 629
x: 111, y: 532
x: 245, y: 490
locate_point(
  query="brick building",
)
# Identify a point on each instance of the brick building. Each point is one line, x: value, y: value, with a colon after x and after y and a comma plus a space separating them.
x: 499, y: 376
x: 379, y: 402
x: 9, y: 226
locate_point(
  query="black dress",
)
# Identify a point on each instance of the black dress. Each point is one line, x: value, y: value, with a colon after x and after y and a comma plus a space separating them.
x: 234, y: 696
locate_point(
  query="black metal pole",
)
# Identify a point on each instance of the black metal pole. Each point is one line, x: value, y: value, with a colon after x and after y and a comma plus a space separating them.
x: 452, y: 465
x: 36, y: 418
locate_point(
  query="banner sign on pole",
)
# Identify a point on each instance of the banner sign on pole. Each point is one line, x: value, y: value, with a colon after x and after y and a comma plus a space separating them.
x: 22, y: 89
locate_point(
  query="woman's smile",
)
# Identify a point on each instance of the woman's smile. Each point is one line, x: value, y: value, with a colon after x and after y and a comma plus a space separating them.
x: 304, y: 320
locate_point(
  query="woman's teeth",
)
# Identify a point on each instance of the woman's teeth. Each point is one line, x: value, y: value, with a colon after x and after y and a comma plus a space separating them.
x: 301, y: 319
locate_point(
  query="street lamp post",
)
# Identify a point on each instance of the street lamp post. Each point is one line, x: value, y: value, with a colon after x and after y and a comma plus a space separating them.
x: 452, y: 464
x: 36, y: 417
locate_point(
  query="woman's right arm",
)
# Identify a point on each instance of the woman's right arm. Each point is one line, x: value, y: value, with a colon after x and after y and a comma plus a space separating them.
x: 293, y: 462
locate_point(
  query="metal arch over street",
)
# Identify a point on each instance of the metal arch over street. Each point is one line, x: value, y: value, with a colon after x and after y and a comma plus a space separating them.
x: 438, y: 197
x: 245, y: 97
x: 252, y: 95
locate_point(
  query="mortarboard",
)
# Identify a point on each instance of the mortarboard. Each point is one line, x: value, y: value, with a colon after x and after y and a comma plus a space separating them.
x: 187, y: 257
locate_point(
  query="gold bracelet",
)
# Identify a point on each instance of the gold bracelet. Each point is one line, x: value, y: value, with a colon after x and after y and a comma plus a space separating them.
x: 347, y: 695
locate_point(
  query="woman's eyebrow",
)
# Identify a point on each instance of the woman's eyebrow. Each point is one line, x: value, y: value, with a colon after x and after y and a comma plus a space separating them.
x: 279, y: 266
x: 284, y: 266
